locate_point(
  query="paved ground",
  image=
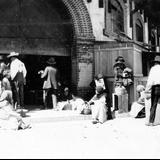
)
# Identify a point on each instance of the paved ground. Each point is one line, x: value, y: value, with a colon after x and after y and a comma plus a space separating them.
x: 118, y: 138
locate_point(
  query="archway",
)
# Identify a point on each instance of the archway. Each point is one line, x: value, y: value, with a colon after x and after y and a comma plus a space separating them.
x: 30, y: 27
x: 83, y: 46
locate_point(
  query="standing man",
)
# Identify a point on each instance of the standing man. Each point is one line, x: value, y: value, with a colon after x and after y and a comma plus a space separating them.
x: 18, y: 79
x: 50, y: 85
x: 153, y: 87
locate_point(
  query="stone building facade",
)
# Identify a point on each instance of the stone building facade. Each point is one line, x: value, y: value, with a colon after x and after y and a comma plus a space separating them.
x: 119, y: 30
x: 85, y: 37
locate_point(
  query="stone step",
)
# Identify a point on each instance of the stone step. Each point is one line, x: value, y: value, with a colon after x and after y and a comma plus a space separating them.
x: 41, y: 116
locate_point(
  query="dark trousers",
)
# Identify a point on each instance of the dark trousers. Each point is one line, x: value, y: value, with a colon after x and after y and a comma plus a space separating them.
x: 47, y: 97
x: 155, y: 98
x: 18, y: 93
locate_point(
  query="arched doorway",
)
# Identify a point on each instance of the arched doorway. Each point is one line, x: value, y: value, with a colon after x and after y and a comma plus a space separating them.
x: 39, y: 29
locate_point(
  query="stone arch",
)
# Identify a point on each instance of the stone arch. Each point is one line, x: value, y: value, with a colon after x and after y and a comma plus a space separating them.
x: 80, y: 17
x: 83, y: 45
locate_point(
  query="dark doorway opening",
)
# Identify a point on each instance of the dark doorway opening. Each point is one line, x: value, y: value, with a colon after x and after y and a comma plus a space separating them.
x: 33, y: 94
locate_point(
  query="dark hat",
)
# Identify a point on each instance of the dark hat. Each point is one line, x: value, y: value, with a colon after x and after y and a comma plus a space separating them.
x: 99, y: 76
x: 13, y: 54
x: 156, y: 59
x: 120, y: 59
x: 51, y: 61
x: 99, y: 89
x: 119, y: 65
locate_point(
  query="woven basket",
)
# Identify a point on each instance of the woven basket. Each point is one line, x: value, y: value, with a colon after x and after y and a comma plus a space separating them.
x: 86, y: 111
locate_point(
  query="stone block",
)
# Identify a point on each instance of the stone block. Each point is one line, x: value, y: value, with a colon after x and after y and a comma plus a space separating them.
x: 120, y: 103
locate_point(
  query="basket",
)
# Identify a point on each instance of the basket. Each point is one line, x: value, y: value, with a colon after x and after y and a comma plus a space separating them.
x: 86, y: 111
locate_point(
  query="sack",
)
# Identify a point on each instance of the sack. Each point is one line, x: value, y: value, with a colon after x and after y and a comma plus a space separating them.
x: 67, y: 107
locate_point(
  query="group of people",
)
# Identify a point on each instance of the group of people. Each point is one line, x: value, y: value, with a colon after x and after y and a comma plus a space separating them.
x: 98, y: 105
x: 64, y: 98
x: 12, y: 80
x: 149, y: 96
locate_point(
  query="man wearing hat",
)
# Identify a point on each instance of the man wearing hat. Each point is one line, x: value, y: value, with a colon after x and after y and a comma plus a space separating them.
x: 50, y: 83
x: 18, y: 74
x: 153, y: 87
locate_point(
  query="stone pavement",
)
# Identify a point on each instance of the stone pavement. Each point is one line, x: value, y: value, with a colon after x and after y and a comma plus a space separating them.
x: 50, y: 115
x: 120, y: 138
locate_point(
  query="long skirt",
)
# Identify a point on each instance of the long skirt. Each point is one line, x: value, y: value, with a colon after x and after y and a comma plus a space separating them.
x: 9, y: 119
x: 135, y: 109
x: 147, y: 111
x: 99, y: 112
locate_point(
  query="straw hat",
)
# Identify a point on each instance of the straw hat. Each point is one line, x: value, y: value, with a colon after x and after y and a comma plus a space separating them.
x: 13, y: 54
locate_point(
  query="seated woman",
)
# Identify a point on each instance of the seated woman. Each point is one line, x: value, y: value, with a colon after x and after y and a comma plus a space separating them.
x: 99, y: 106
x: 138, y: 107
x: 9, y: 119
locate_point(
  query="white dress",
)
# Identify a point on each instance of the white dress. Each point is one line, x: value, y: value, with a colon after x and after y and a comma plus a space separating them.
x: 78, y: 105
x: 99, y: 109
x: 9, y: 119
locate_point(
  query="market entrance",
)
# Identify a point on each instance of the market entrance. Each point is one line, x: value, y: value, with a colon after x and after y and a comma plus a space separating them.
x: 59, y: 28
x: 33, y: 90
x: 37, y: 29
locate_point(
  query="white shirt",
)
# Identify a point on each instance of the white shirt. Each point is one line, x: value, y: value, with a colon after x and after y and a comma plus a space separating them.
x: 17, y: 66
x: 154, y: 77
x: 78, y: 104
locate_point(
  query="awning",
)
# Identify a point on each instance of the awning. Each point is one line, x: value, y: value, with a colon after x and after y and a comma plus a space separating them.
x: 154, y: 53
